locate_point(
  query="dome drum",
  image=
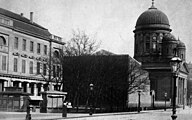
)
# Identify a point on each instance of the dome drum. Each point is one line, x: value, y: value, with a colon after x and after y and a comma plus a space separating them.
x: 152, y: 27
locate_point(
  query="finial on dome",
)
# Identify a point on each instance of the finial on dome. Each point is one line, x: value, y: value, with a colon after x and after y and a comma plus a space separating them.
x: 178, y: 38
x: 152, y: 6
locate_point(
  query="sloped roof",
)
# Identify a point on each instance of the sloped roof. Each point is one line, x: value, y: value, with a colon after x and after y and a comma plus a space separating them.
x: 108, y: 53
x: 23, y: 24
x: 184, y: 68
x: 104, y: 52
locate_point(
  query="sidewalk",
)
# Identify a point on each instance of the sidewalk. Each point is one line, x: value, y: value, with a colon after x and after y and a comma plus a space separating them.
x: 85, y: 116
x: 53, y: 116
x: 82, y: 115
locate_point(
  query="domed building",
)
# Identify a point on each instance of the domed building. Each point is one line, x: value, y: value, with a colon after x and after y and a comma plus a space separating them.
x: 155, y: 45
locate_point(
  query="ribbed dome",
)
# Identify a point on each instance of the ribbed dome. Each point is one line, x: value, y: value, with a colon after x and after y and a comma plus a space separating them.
x: 153, y: 18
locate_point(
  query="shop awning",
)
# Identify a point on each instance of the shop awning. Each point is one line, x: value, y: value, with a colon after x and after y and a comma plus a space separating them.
x: 56, y: 96
x: 35, y: 98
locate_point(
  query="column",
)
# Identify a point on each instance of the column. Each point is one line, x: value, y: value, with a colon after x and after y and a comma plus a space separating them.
x: 20, y: 84
x: 35, y: 89
x: 5, y: 85
x: 177, y: 90
x: 42, y: 89
x: 10, y: 83
x: 185, y: 85
x: 183, y: 93
x: 28, y: 88
x: 51, y: 87
x: 62, y: 88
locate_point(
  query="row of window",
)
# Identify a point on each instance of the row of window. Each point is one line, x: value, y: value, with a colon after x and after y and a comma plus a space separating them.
x: 31, y: 65
x: 43, y: 66
x: 31, y: 47
x: 56, y: 69
x: 5, y: 21
x: 152, y: 43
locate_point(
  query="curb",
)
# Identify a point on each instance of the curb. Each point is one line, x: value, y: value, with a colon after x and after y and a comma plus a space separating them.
x: 94, y: 115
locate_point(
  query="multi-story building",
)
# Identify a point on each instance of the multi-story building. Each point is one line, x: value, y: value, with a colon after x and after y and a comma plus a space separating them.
x: 25, y: 51
x: 154, y: 48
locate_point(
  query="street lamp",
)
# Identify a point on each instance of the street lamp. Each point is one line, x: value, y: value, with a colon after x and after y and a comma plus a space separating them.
x: 152, y: 98
x: 175, y: 65
x: 190, y: 100
x: 91, y: 98
x: 28, y: 115
x: 165, y: 100
x: 64, y: 112
x: 139, y: 101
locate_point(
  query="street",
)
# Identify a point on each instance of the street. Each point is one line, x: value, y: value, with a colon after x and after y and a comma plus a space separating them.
x: 144, y: 115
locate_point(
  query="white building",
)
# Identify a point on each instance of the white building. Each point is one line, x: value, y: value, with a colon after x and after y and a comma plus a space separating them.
x: 25, y: 48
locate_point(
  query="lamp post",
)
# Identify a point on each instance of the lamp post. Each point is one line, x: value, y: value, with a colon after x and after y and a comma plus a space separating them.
x: 190, y: 100
x: 64, y: 112
x: 139, y: 101
x: 175, y: 65
x: 28, y: 115
x: 165, y: 100
x: 91, y: 98
x: 152, y: 98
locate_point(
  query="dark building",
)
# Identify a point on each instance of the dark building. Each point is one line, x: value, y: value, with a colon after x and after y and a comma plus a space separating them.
x: 154, y: 48
x: 113, y: 77
x: 189, y: 85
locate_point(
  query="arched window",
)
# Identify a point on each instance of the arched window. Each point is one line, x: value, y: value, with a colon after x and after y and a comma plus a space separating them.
x: 154, y: 42
x: 147, y: 43
x: 154, y: 46
x: 56, y: 54
x: 2, y: 41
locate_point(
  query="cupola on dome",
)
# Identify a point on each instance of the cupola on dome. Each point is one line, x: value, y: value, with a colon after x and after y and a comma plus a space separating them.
x: 153, y: 18
x: 180, y: 44
x: 169, y: 37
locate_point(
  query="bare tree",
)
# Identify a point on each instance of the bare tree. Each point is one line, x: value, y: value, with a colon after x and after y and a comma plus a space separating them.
x: 81, y: 44
x: 137, y: 77
x: 51, y: 71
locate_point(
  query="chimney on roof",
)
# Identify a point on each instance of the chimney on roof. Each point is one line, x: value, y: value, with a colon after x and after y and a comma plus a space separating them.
x: 31, y: 17
x: 21, y: 14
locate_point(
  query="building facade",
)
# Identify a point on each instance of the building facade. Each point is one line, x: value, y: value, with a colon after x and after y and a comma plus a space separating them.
x: 189, y: 85
x: 154, y: 47
x: 25, y: 51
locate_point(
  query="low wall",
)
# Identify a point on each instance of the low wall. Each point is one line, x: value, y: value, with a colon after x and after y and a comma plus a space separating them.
x: 145, y: 101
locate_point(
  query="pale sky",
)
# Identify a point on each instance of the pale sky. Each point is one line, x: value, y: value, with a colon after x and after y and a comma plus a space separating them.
x: 112, y: 21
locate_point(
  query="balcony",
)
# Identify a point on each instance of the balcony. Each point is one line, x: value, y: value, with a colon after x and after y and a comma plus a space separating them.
x: 3, y: 48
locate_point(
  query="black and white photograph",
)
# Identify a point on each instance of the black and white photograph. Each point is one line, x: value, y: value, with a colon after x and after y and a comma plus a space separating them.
x: 95, y: 59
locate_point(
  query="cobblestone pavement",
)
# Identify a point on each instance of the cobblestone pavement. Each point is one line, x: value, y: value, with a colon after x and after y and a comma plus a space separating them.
x: 143, y: 115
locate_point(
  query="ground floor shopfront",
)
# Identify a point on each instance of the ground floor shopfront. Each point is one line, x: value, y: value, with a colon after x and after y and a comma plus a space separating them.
x: 33, y: 87
x: 25, y: 89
